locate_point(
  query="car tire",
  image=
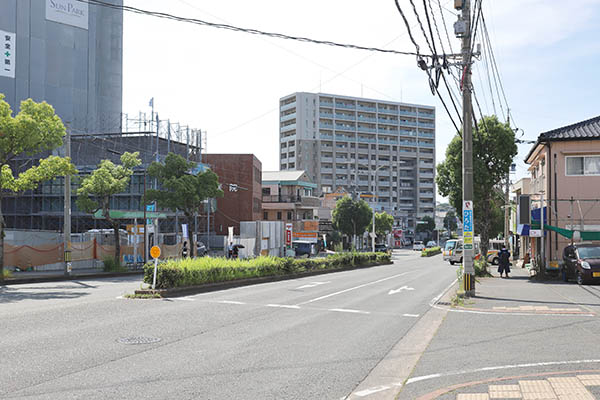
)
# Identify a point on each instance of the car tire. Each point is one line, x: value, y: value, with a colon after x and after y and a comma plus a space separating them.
x: 580, y: 280
x: 496, y: 261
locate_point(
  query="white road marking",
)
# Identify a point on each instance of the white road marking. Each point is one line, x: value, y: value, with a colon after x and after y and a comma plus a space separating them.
x: 439, y: 296
x: 370, y: 391
x: 183, y: 299
x: 312, y: 284
x: 354, y: 288
x: 347, y: 310
x: 229, y: 302
x: 394, y: 291
x: 411, y: 315
x: 283, y: 306
x: 120, y: 297
x: 500, y: 367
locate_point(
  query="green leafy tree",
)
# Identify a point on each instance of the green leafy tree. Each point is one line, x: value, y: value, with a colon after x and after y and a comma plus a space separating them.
x: 182, y: 190
x: 450, y: 221
x: 351, y: 217
x: 493, y: 151
x: 97, y: 190
x: 34, y: 129
x: 384, y: 222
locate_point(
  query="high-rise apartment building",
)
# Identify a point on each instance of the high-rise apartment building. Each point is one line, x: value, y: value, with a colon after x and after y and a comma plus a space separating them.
x: 365, y: 146
x: 68, y: 53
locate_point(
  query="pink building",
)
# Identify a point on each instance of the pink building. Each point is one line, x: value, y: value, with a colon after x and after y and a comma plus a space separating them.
x: 565, y: 178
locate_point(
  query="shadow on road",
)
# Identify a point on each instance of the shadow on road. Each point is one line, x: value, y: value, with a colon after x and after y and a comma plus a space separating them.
x: 10, y: 294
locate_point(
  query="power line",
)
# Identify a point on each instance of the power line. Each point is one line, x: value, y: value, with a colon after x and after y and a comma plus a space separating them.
x: 445, y: 27
x: 251, y: 31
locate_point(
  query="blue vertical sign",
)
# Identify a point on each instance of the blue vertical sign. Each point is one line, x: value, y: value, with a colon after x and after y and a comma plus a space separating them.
x: 468, y: 225
x: 149, y: 207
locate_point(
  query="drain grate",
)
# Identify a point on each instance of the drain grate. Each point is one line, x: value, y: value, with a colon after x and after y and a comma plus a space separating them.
x: 443, y: 303
x: 138, y: 340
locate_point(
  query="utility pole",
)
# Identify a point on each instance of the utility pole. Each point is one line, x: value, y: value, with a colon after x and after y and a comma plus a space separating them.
x: 506, y: 211
x: 467, y: 149
x: 67, y: 201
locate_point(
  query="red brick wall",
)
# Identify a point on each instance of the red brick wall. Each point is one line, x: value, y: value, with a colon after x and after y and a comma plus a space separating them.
x: 245, y: 170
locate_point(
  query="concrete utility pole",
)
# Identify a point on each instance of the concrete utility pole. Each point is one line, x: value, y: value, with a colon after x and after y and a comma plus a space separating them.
x: 67, y: 201
x: 506, y: 211
x: 467, y: 142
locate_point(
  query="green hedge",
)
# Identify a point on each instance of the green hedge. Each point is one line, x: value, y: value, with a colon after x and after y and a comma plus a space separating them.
x: 431, y: 251
x: 197, y: 271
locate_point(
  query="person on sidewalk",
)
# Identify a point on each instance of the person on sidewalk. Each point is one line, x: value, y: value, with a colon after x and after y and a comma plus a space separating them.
x: 504, y: 261
x: 184, y: 250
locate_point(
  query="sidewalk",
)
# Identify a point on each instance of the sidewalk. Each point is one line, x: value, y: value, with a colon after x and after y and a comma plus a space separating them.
x: 518, y: 338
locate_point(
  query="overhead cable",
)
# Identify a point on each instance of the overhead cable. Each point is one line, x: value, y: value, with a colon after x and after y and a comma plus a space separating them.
x: 234, y: 28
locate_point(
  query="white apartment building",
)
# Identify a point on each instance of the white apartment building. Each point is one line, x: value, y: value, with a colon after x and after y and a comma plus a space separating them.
x: 364, y: 146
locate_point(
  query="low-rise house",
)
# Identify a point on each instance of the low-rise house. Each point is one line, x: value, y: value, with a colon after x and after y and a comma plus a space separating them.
x: 564, y: 165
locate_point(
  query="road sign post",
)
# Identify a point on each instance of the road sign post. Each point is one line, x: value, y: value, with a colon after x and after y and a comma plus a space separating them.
x: 155, y: 253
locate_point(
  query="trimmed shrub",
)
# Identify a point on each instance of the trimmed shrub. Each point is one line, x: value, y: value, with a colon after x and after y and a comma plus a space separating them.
x: 431, y: 251
x: 198, y: 271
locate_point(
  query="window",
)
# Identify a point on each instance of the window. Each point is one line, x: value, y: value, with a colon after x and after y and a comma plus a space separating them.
x: 583, y: 165
x: 289, y: 215
x: 266, y: 215
x: 266, y: 191
x: 279, y: 215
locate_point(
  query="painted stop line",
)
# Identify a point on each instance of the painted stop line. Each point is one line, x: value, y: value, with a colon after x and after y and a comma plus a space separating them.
x: 394, y: 291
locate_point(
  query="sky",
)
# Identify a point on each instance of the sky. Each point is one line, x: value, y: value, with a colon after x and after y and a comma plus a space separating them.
x: 229, y: 84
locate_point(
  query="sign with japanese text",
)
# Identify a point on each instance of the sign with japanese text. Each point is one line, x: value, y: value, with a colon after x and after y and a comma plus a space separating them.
x: 70, y: 12
x: 468, y: 225
x: 7, y: 60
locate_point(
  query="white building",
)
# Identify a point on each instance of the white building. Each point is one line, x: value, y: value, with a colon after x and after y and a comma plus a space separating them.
x: 364, y: 146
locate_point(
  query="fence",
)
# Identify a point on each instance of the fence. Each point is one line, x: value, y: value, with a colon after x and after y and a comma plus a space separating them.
x: 25, y: 256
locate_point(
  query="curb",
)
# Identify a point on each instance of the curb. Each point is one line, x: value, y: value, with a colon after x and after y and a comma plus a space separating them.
x: 59, y: 278
x: 212, y: 287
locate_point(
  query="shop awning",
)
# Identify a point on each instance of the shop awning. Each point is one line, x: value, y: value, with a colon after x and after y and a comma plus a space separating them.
x: 589, y: 235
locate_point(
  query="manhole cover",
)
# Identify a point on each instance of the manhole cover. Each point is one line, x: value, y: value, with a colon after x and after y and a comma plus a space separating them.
x: 138, y: 340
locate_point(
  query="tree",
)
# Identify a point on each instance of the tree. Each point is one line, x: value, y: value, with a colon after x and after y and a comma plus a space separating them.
x: 450, y: 221
x: 180, y: 189
x: 351, y: 217
x: 493, y: 151
x: 427, y: 224
x: 383, y: 223
x: 36, y: 128
x: 98, y: 188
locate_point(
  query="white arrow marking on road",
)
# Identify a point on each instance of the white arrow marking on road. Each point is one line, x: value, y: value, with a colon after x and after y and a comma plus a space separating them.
x: 393, y: 291
x: 312, y: 284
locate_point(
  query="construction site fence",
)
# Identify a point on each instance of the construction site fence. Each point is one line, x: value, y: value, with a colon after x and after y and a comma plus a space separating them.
x: 25, y: 256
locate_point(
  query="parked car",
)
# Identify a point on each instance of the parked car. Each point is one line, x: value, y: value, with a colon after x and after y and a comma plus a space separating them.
x: 582, y: 263
x: 200, y: 249
x: 418, y: 245
x: 381, y: 248
x: 448, y: 248
x: 431, y: 244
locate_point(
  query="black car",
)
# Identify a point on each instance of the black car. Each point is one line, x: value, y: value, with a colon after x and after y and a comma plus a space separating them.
x: 582, y: 263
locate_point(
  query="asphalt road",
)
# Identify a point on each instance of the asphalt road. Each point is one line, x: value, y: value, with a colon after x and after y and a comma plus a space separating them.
x: 310, y: 338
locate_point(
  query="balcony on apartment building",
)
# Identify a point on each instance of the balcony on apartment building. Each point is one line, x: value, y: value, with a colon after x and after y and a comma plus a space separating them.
x: 299, y: 201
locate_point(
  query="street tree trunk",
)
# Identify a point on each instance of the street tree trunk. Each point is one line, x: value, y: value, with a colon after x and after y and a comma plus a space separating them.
x: 115, y: 226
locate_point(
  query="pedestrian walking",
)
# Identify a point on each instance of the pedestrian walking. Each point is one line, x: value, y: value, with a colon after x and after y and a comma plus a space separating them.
x: 230, y: 250
x: 504, y: 261
x: 184, y: 250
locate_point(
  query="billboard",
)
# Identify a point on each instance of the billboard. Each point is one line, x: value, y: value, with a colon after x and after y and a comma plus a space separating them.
x: 69, y: 12
x: 7, y: 51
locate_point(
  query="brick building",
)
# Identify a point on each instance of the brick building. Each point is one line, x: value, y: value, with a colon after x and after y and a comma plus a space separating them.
x: 241, y: 179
